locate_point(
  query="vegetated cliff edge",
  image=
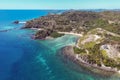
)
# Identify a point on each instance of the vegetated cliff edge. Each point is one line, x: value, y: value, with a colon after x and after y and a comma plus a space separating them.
x: 100, y: 45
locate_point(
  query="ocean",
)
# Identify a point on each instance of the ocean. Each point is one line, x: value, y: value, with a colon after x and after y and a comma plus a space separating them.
x: 22, y: 58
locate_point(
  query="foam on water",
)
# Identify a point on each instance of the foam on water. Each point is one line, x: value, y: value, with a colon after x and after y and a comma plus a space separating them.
x: 58, y: 43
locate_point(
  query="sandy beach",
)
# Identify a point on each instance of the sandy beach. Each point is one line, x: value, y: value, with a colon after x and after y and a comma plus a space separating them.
x: 71, y: 33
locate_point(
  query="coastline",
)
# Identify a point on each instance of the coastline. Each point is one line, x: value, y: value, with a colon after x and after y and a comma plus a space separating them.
x: 65, y: 33
x: 68, y: 53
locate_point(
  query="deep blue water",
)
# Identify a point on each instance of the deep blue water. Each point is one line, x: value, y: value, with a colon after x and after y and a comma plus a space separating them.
x: 22, y: 58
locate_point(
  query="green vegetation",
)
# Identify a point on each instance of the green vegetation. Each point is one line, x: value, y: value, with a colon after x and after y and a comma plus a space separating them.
x: 89, y: 45
x: 96, y: 56
x: 56, y: 35
x: 113, y: 28
x: 109, y: 62
x: 79, y: 51
x: 104, y: 53
x: 114, y: 38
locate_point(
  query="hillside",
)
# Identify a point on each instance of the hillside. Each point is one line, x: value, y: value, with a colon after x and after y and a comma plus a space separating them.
x: 77, y: 21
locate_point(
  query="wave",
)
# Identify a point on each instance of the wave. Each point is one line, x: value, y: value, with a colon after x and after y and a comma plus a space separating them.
x: 22, y: 22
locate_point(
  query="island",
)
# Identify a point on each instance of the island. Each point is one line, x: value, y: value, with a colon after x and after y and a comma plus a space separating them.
x: 97, y: 49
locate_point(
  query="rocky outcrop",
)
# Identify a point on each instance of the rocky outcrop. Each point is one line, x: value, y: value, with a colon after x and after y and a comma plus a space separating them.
x: 16, y: 22
x: 42, y: 34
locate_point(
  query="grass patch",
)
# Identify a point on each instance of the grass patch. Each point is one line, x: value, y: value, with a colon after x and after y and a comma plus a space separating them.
x: 115, y: 38
x: 79, y: 51
x: 89, y: 45
x: 104, y: 53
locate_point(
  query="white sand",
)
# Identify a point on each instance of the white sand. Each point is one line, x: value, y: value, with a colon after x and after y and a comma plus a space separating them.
x: 71, y: 33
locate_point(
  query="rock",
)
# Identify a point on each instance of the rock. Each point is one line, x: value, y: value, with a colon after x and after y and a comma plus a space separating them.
x: 42, y: 34
x: 16, y: 22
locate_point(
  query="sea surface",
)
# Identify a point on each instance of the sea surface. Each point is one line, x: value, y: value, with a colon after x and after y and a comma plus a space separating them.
x: 22, y: 58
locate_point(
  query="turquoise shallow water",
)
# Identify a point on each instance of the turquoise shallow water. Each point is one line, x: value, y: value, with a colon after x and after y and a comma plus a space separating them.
x: 22, y: 58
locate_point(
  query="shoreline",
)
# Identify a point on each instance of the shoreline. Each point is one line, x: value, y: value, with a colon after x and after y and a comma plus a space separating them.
x: 65, y: 33
x: 68, y: 53
x: 71, y: 33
